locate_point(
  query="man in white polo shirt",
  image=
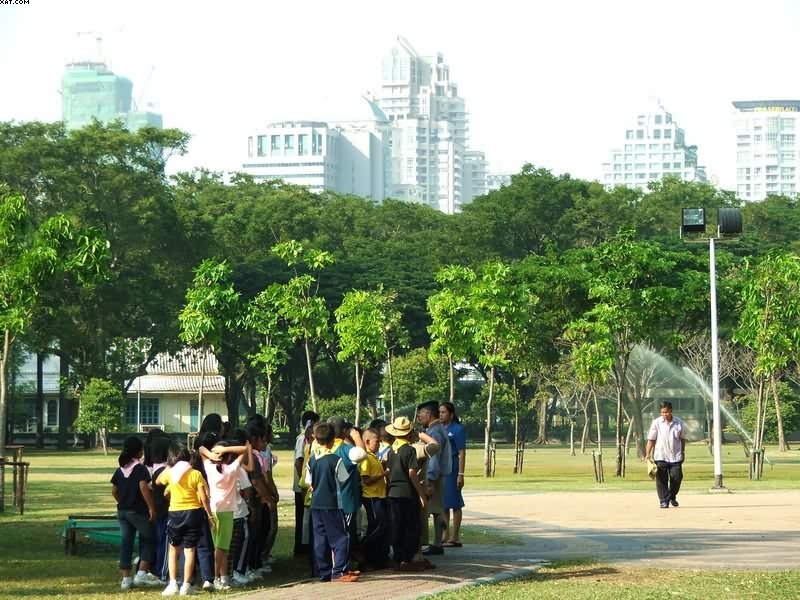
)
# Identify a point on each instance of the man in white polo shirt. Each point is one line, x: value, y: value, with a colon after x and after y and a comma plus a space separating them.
x: 666, y: 442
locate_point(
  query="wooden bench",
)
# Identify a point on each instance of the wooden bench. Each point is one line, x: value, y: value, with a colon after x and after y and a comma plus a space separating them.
x: 105, y: 527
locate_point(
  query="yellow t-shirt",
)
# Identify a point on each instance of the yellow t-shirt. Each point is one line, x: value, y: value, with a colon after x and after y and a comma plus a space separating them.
x: 372, y: 467
x: 184, y: 494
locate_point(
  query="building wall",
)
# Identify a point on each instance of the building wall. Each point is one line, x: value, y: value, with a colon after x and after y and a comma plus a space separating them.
x: 767, y: 149
x: 654, y: 147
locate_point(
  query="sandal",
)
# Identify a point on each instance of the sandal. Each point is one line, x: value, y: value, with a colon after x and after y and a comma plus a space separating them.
x: 451, y: 544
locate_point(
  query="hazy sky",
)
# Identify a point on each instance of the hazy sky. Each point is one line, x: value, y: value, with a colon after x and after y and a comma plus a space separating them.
x: 552, y: 83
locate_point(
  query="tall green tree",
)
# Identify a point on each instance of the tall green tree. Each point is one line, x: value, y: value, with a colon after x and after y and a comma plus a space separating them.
x: 303, y: 307
x: 102, y: 409
x: 212, y: 307
x: 770, y: 326
x: 361, y: 328
x: 451, y: 327
x: 30, y: 257
x: 634, y: 298
x: 501, y: 309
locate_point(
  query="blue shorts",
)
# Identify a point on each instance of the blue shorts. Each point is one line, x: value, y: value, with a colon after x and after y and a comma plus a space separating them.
x: 184, y: 527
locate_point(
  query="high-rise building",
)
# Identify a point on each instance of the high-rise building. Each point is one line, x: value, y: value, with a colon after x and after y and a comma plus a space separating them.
x: 654, y: 147
x: 767, y: 159
x: 429, y: 129
x: 90, y: 90
x: 475, y: 166
x: 350, y: 156
x: 494, y: 181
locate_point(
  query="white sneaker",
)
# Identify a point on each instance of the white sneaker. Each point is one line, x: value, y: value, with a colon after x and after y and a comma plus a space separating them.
x: 240, y: 579
x: 208, y: 586
x: 222, y: 584
x: 265, y: 570
x: 146, y: 580
x: 171, y: 590
x: 253, y: 575
x: 187, y: 589
x: 127, y: 583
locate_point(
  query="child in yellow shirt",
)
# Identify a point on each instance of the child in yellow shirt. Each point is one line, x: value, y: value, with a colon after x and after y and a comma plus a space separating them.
x: 373, y: 498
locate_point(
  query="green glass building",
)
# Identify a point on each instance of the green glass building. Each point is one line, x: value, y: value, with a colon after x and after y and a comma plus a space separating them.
x: 90, y: 90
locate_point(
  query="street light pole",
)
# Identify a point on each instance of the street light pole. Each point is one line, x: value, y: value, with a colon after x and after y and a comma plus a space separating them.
x: 715, y: 400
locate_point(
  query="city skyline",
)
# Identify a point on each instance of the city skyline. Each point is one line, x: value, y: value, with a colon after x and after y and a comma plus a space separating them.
x: 553, y: 85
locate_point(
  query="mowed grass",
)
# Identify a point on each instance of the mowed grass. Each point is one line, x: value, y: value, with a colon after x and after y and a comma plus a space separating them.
x: 34, y: 566
x: 594, y: 581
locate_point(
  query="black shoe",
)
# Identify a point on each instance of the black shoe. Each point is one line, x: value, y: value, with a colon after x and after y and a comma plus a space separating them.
x: 674, y: 503
x: 433, y: 550
x: 664, y: 505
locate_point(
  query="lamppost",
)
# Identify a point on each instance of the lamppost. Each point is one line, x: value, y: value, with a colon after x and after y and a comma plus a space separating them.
x: 729, y: 222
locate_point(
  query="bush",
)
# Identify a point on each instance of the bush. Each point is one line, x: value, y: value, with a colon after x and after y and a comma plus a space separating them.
x: 790, y: 414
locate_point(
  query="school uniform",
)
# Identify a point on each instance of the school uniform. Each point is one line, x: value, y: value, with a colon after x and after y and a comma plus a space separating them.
x: 133, y: 514
x: 373, y: 499
x: 403, y: 500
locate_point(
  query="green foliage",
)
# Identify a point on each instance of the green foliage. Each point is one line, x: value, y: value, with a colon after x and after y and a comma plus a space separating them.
x: 211, y: 305
x: 342, y: 406
x: 790, y: 413
x: 361, y: 326
x: 102, y: 407
x: 417, y: 378
x: 769, y: 321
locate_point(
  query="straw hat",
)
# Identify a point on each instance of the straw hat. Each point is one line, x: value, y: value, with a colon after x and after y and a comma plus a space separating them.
x: 400, y: 427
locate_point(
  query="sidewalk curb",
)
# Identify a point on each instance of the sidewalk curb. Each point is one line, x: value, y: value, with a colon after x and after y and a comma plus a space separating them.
x: 506, y: 575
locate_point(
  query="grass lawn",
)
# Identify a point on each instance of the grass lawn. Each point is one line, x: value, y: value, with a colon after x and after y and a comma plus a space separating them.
x: 34, y: 566
x: 593, y: 581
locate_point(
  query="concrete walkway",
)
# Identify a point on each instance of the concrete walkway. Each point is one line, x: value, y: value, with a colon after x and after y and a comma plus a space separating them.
x: 739, y: 531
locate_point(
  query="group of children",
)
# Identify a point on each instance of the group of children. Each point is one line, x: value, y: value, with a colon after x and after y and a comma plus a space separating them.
x: 216, y: 504
x: 383, y: 469
x: 207, y: 518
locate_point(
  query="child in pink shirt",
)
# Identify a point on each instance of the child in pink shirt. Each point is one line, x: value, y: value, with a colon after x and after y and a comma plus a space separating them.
x: 223, y: 473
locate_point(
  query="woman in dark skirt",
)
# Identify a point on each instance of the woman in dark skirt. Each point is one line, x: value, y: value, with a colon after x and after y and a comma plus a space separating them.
x: 454, y: 482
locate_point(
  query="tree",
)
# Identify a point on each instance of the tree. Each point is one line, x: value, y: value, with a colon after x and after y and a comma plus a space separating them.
x: 263, y: 316
x: 360, y: 325
x: 303, y: 308
x: 30, y: 257
x: 417, y: 378
x: 499, y: 309
x: 102, y: 409
x: 112, y: 180
x: 451, y: 318
x: 770, y: 325
x: 634, y: 300
x: 211, y: 307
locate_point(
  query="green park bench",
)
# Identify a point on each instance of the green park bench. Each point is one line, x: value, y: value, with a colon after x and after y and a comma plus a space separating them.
x: 101, y: 528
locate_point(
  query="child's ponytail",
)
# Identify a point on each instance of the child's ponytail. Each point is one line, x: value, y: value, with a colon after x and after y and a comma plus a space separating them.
x: 131, y: 449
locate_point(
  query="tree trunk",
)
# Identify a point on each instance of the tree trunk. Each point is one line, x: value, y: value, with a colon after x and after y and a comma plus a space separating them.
x: 487, y: 462
x: 391, y: 385
x: 783, y: 445
x: 599, y: 428
x: 63, y: 368
x: 103, y: 440
x: 516, y: 425
x: 586, y: 425
x: 452, y: 380
x: 311, y: 390
x: 759, y: 415
x: 541, y: 437
x: 200, y: 392
x: 7, y: 343
x: 358, y: 396
x: 39, y: 400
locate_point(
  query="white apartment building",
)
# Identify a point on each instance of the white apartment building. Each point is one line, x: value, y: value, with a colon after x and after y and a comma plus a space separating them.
x: 767, y: 158
x: 475, y: 175
x: 654, y: 147
x: 429, y: 129
x: 494, y: 181
x: 350, y: 156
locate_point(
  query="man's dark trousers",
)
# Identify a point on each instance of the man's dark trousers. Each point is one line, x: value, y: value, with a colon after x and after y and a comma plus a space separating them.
x: 668, y: 480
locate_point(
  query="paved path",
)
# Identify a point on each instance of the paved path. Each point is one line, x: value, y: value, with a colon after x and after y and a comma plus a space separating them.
x: 740, y: 531
x: 743, y: 531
